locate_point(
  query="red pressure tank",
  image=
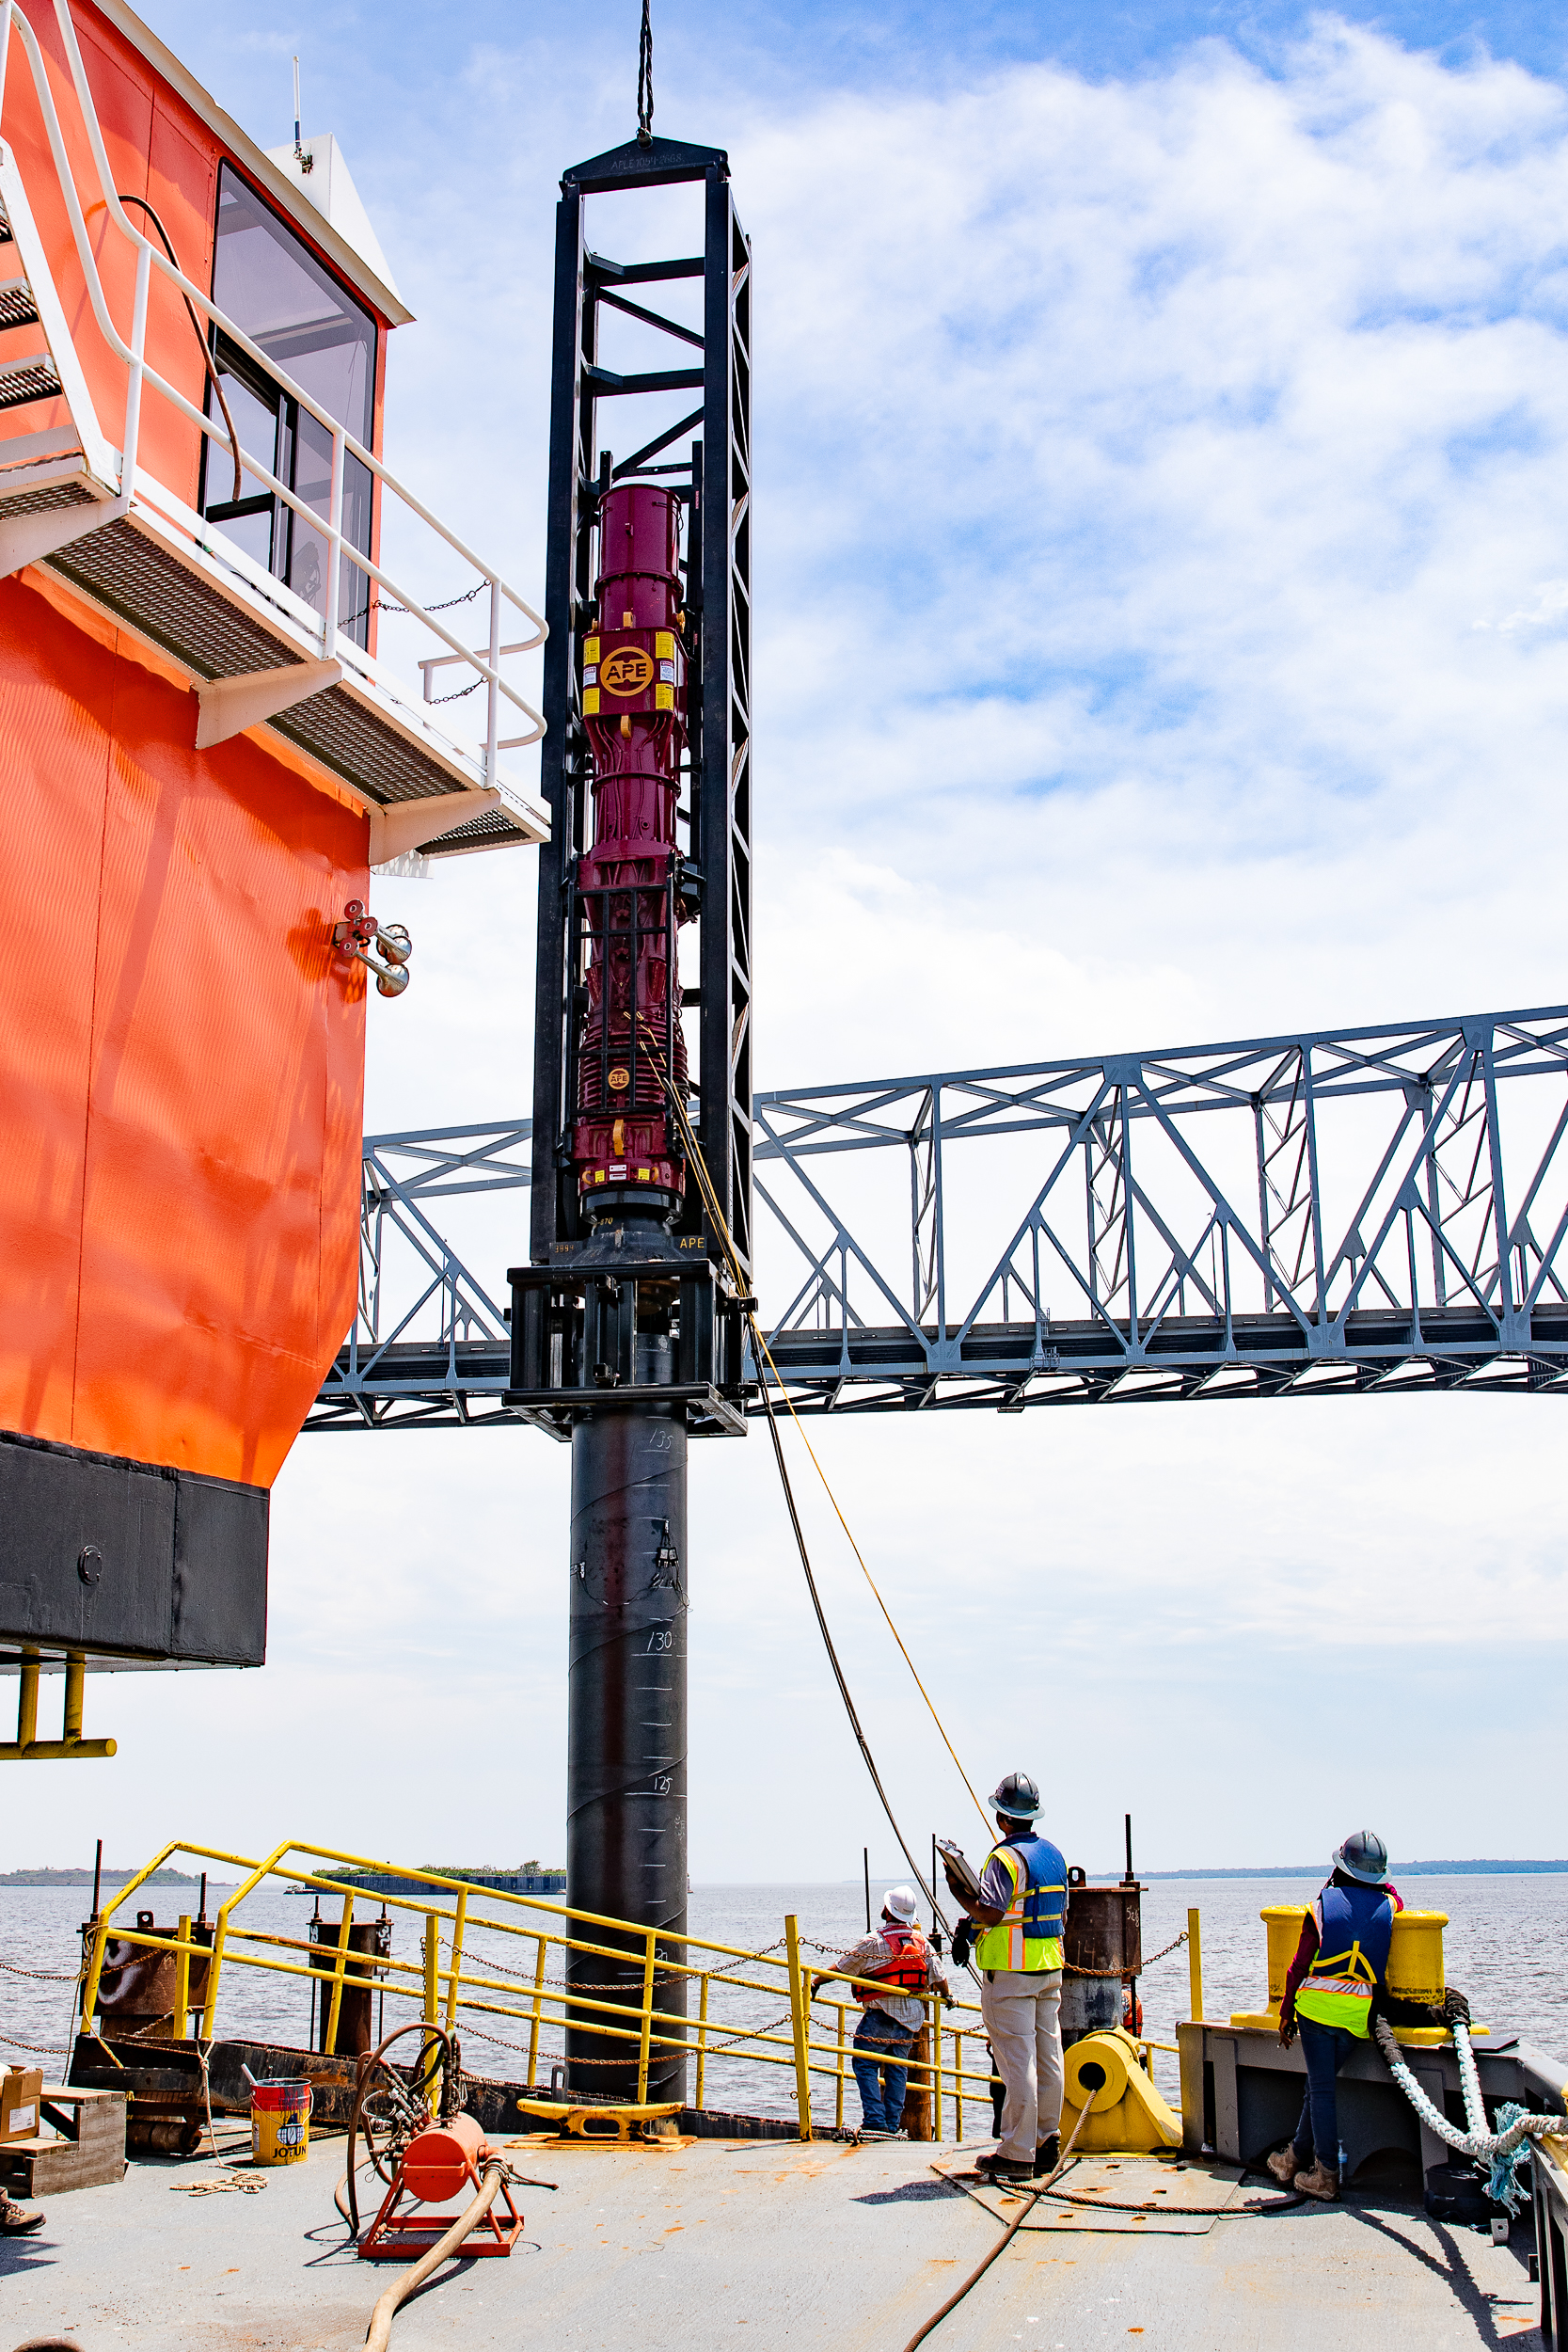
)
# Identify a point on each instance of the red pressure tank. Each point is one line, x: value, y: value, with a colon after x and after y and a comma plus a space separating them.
x: 434, y: 2166
x: 629, y: 885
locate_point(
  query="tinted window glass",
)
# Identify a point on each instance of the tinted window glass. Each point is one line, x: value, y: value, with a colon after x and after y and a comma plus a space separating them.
x: 301, y: 318
x: 287, y: 305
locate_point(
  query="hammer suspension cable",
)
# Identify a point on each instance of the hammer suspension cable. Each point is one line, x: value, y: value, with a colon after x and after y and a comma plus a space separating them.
x: 710, y: 1201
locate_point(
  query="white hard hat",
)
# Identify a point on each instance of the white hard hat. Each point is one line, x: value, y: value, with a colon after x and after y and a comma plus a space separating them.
x: 901, y: 1901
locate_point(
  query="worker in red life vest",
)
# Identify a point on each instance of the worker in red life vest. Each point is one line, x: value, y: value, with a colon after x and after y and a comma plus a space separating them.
x: 1336, y: 1986
x: 902, y: 1967
x: 1019, y: 1911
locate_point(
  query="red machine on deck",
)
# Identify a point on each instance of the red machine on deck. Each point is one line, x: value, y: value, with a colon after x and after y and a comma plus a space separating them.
x: 442, y: 2161
x: 625, y: 1149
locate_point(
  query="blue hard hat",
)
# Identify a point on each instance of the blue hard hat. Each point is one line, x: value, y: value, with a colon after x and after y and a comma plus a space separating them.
x: 1363, y: 1856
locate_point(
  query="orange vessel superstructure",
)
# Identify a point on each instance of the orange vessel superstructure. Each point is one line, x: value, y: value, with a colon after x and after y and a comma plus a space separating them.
x: 198, y: 763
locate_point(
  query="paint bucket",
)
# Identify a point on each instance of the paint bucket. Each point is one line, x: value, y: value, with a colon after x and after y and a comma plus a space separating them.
x: 279, y: 2123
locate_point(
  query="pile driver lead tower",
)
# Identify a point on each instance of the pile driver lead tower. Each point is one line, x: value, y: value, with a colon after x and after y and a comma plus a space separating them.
x: 627, y: 1325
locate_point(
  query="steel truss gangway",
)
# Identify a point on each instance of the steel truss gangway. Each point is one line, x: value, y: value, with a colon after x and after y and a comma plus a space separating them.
x: 1367, y: 1211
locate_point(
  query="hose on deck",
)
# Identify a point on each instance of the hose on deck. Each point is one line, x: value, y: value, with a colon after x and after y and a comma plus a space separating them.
x: 378, y: 2334
x: 1030, y: 2197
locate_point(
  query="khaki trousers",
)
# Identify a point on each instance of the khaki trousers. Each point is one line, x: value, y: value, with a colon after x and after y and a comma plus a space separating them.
x: 1021, y: 2007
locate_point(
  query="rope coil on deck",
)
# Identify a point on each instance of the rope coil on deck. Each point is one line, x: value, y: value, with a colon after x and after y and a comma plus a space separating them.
x: 1486, y: 2146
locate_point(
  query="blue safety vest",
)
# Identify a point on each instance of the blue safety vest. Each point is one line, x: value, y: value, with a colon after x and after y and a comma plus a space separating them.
x: 1355, y: 1929
x: 1029, y: 1935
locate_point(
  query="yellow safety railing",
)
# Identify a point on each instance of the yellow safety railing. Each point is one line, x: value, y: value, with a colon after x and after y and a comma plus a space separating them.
x: 447, y: 1984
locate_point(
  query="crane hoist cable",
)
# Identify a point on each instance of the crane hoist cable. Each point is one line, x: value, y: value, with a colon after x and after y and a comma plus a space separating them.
x: 710, y: 1201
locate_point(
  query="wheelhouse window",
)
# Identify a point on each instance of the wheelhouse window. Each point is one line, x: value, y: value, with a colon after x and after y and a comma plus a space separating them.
x: 268, y: 283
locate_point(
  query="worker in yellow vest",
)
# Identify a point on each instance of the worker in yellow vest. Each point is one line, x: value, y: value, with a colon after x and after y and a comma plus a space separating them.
x: 1019, y: 1912
x: 1336, y: 1986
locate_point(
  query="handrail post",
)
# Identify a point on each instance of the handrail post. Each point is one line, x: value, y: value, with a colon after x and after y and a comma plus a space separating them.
x: 95, y: 1969
x: 457, y: 1927
x: 702, y: 2038
x: 338, y: 1969
x: 1195, y: 1962
x: 838, y: 2111
x: 936, y: 2079
x: 432, y: 1993
x: 209, y: 2007
x: 133, y: 385
x: 647, y: 2021
x: 493, y: 685
x: 27, y: 1699
x: 799, y: 2024
x: 182, y: 1981
x: 5, y: 45
x: 332, y: 601
x: 432, y: 1968
x: 959, y: 2082
x: 538, y: 2007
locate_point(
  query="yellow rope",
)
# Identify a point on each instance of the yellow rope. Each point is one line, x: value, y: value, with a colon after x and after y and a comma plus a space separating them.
x: 711, y: 1198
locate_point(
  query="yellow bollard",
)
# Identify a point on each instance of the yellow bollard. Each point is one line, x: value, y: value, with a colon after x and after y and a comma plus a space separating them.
x: 1415, y: 1956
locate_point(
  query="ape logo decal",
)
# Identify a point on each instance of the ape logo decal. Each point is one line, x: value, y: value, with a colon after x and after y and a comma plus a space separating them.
x: 628, y: 671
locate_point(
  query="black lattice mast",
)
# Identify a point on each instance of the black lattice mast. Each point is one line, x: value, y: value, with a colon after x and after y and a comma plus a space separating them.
x: 706, y: 457
x: 626, y: 1329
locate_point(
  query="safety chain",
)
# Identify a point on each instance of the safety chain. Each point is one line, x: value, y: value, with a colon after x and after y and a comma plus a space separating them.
x: 43, y: 1976
x: 1127, y: 1974
x: 40, y: 2049
x: 462, y: 692
x: 385, y: 604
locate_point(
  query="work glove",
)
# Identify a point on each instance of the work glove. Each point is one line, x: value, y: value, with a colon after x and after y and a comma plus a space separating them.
x: 1286, y: 2022
x: 1452, y: 2007
x: 963, y: 1941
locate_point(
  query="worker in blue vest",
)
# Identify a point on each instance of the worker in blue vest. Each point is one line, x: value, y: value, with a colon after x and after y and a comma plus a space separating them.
x: 1019, y: 1912
x: 1335, y: 1987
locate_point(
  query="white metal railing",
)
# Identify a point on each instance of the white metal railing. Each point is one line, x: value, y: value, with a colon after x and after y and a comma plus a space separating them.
x: 485, y: 662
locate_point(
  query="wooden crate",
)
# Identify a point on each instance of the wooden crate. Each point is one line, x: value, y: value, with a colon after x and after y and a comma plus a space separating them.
x: 90, y: 2150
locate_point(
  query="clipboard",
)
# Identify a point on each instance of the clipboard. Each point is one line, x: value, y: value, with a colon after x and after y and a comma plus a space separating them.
x: 960, y: 1870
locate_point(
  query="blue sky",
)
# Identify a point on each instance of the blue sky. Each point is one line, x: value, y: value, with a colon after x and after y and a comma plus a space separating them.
x: 1162, y: 562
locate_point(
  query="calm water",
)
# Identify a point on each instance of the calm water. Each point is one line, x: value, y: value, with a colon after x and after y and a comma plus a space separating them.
x: 1504, y: 1946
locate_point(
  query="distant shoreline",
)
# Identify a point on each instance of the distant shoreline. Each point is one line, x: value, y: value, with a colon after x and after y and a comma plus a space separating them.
x: 109, y: 1878
x: 1397, y: 1870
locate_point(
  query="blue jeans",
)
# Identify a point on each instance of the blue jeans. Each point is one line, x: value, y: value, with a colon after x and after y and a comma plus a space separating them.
x: 1325, y: 2048
x: 881, y: 2045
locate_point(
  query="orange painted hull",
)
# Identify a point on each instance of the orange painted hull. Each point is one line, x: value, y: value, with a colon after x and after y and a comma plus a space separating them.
x: 182, y: 1058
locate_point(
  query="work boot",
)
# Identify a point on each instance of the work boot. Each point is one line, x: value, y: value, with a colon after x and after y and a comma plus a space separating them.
x: 1285, y: 2164
x: 1047, y: 2156
x: 16, y: 2220
x: 1321, y: 2182
x: 1000, y: 2168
